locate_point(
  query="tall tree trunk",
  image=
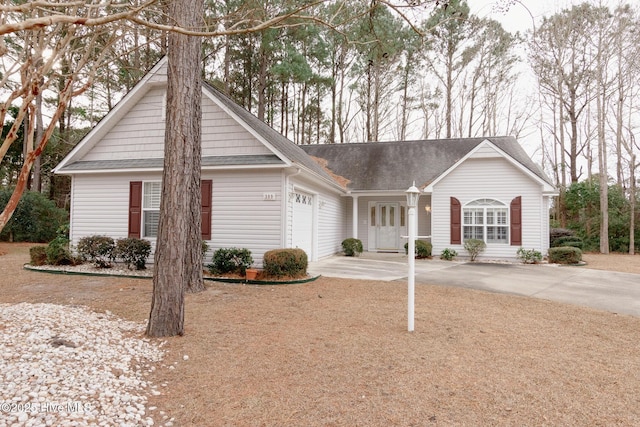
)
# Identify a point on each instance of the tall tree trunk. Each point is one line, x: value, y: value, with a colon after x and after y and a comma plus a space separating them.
x: 632, y: 204
x: 37, y: 172
x: 171, y: 274
x: 602, y: 157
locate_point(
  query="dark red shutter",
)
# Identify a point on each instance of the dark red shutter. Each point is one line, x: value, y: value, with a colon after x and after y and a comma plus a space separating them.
x: 135, y: 208
x: 516, y: 221
x: 205, y: 188
x: 456, y: 229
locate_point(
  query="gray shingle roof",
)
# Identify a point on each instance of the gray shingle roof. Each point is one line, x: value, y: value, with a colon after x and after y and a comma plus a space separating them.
x: 393, y: 166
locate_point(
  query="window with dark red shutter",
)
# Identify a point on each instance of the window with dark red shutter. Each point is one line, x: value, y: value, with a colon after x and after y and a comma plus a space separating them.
x: 516, y: 221
x: 135, y: 209
x: 206, y: 189
x: 456, y: 234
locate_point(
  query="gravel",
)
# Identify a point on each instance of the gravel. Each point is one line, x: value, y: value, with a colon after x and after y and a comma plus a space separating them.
x: 69, y: 366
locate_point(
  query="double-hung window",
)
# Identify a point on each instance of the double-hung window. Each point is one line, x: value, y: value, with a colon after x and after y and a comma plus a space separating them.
x: 151, y: 192
x: 486, y: 219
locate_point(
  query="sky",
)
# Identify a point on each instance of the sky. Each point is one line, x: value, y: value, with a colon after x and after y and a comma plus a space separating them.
x: 524, y: 14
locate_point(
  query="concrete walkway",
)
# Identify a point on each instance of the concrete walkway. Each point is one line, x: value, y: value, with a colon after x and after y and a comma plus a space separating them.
x: 604, y: 290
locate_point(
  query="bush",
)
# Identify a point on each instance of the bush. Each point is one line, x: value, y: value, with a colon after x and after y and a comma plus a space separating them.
x: 58, y: 252
x: 352, y: 247
x: 572, y: 241
x: 285, y: 262
x: 99, y: 250
x: 231, y: 260
x: 448, y: 254
x: 38, y: 255
x: 35, y: 219
x: 565, y: 255
x: 475, y: 247
x: 423, y: 249
x: 133, y: 252
x: 529, y: 256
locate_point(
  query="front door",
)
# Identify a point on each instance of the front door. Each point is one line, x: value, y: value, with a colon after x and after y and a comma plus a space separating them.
x: 387, y: 226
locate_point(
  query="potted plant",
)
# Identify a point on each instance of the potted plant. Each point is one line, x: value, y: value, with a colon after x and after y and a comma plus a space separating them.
x: 251, y: 273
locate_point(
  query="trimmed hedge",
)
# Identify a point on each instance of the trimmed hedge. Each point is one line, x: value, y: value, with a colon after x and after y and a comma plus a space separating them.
x: 99, y: 250
x: 352, y: 246
x: 133, y: 252
x: 565, y: 255
x: 285, y: 262
x: 231, y: 260
x: 572, y: 241
x: 423, y: 249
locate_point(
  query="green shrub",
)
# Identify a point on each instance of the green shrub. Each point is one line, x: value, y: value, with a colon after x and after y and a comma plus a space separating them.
x: 474, y: 247
x: 556, y: 233
x: 285, y: 262
x: 448, y: 254
x: 352, y: 247
x: 529, y: 256
x: 35, y: 219
x: 572, y: 241
x: 204, y: 248
x: 133, y: 252
x: 58, y: 252
x: 423, y: 249
x: 99, y: 250
x: 565, y: 255
x: 38, y: 255
x: 231, y: 260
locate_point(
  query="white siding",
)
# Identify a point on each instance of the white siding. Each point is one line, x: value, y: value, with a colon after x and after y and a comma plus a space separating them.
x: 240, y: 215
x: 329, y: 218
x: 331, y: 223
x: 485, y: 151
x: 140, y: 133
x: 491, y: 178
x: 223, y: 136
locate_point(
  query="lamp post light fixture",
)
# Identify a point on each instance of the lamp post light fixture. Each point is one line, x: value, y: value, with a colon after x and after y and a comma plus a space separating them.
x: 412, y: 202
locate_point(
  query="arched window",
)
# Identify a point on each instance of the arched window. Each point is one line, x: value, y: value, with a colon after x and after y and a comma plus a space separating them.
x: 486, y: 219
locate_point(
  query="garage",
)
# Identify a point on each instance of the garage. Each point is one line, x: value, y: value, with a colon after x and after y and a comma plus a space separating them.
x: 302, y: 230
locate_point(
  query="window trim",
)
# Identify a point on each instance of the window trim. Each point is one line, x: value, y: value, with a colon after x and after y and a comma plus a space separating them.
x: 480, y: 222
x: 145, y: 209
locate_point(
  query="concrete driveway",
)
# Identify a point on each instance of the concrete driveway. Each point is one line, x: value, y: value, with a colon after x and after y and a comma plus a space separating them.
x: 604, y: 290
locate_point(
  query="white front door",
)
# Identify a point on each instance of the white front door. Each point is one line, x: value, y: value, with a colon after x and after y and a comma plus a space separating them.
x: 387, y: 226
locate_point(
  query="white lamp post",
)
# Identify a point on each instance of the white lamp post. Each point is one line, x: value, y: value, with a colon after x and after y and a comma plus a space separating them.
x: 412, y: 202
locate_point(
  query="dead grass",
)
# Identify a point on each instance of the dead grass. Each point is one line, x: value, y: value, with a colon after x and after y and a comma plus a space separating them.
x: 335, y: 352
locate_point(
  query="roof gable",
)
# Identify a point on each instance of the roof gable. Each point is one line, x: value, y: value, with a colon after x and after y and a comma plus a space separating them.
x: 516, y: 157
x: 276, y: 144
x: 154, y: 78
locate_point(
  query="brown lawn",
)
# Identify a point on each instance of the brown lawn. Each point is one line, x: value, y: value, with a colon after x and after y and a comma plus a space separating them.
x: 336, y: 352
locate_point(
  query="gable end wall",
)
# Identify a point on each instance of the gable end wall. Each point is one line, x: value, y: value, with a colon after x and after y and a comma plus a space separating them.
x: 492, y: 178
x: 140, y: 133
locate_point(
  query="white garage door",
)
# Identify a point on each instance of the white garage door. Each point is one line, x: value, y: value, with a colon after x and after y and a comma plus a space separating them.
x: 302, y: 234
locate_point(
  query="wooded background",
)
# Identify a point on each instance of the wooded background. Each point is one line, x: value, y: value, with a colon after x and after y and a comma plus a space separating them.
x: 343, y: 72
